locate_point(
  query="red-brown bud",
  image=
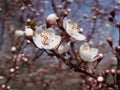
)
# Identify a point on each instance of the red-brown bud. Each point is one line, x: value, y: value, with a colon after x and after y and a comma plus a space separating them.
x: 113, y: 71
x: 90, y: 80
x: 101, y: 56
x: 110, y: 41
x: 117, y: 25
x: 110, y: 18
x: 118, y: 72
x: 65, y: 13
x: 107, y: 71
x: 13, y: 49
x: 100, y: 79
x: 112, y: 13
x: 117, y: 48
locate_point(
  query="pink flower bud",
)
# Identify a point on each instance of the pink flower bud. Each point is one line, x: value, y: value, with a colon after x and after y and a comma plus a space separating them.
x: 12, y: 70
x: 100, y: 55
x: 110, y: 18
x: 100, y: 79
x: 112, y: 13
x: 29, y: 33
x: 65, y: 13
x: 113, y: 71
x: 107, y: 71
x: 13, y: 49
x: 117, y: 49
x: 51, y: 20
x: 118, y: 72
x: 110, y: 41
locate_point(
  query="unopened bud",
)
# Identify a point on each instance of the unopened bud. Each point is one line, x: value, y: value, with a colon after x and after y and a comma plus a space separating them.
x: 82, y: 75
x: 12, y: 70
x: 110, y: 41
x: 100, y: 55
x: 65, y: 13
x: 110, y: 18
x: 100, y: 79
x: 90, y: 80
x: 19, y: 33
x: 107, y: 71
x: 117, y: 25
x: 51, y: 20
x: 117, y: 49
x: 3, y: 86
x: 88, y: 87
x: 8, y: 87
x: 112, y: 13
x: 81, y: 30
x: 28, y: 21
x: 29, y: 33
x: 118, y: 72
x: 13, y: 49
x: 113, y: 71
x: 85, y: 16
x: 17, y: 68
x: 94, y: 17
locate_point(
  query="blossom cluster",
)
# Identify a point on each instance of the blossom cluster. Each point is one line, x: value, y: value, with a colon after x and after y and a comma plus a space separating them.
x: 47, y: 38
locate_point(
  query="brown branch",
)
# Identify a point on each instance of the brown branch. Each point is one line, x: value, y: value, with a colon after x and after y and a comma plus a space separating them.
x: 71, y: 65
x: 55, y: 7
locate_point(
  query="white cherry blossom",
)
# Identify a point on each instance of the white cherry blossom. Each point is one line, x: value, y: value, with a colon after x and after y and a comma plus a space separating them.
x: 73, y: 30
x: 46, y: 39
x: 87, y: 53
x: 64, y: 48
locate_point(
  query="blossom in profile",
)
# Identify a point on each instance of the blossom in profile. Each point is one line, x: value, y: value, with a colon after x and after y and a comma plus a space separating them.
x: 46, y: 39
x: 73, y: 30
x: 87, y: 53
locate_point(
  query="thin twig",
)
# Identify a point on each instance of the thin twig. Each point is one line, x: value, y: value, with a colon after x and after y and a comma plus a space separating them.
x: 55, y: 7
x: 71, y: 65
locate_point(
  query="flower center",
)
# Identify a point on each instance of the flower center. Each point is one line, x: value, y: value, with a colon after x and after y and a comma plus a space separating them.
x: 74, y: 26
x: 86, y: 48
x: 46, y: 37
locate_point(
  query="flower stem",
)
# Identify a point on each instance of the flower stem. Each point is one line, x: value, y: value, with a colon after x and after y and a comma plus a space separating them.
x: 71, y: 65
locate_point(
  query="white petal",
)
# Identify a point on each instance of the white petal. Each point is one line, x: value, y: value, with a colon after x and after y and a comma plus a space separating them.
x: 78, y: 36
x: 56, y: 41
x: 87, y: 53
x: 37, y: 41
x: 85, y: 45
x: 73, y: 32
x: 51, y: 30
x: 64, y: 48
x: 19, y: 33
x: 53, y: 44
x: 38, y: 30
x: 94, y: 52
x: 66, y: 25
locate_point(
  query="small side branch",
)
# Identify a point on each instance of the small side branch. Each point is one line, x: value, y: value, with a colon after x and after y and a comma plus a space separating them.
x: 71, y: 65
